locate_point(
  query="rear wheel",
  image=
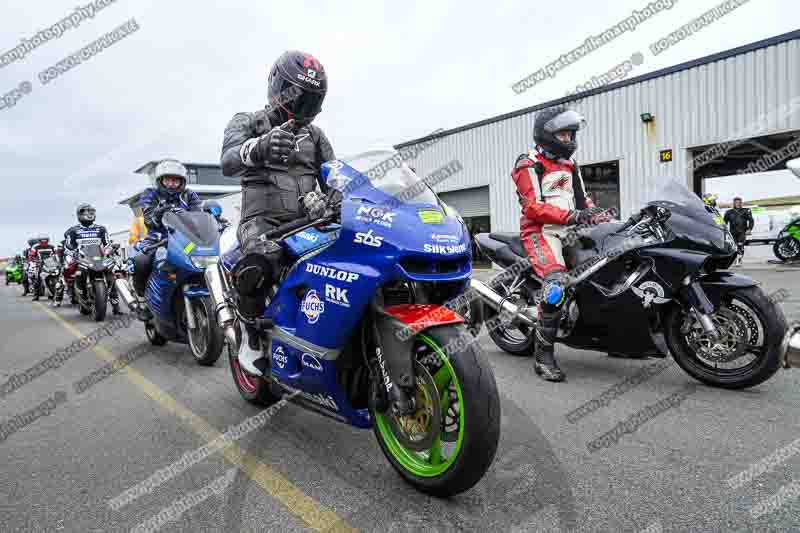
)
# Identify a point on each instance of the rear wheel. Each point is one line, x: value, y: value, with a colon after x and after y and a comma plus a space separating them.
x: 100, y: 300
x: 749, y: 350
x: 517, y: 339
x: 787, y: 249
x: 253, y: 389
x: 206, y: 340
x: 155, y: 338
x: 448, y: 444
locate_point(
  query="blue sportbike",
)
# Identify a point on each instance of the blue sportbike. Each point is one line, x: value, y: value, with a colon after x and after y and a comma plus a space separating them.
x: 356, y: 327
x: 176, y: 293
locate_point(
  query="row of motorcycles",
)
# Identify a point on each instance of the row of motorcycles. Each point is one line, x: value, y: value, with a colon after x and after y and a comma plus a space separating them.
x: 85, y: 278
x: 374, y: 317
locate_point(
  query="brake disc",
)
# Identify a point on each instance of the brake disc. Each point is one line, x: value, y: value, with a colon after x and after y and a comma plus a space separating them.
x: 419, y: 430
x: 732, y: 342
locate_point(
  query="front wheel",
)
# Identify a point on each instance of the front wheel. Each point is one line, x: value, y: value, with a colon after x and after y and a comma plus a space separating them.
x: 100, y: 300
x: 206, y: 340
x: 748, y: 352
x: 448, y: 444
x: 787, y: 249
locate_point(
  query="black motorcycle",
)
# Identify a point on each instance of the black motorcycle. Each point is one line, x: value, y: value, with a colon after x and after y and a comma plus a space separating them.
x: 655, y: 285
x: 93, y: 281
x: 50, y: 278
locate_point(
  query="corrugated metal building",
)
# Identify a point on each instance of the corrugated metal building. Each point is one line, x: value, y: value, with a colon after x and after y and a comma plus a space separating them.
x: 749, y: 94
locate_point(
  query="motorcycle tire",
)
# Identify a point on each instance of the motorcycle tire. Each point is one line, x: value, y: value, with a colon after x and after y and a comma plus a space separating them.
x: 462, y: 406
x: 206, y: 351
x: 253, y: 389
x: 773, y: 327
x: 100, y: 301
x: 787, y: 249
x: 152, y: 334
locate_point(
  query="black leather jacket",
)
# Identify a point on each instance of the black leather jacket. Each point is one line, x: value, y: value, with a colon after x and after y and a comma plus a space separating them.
x: 739, y: 220
x: 274, y: 191
x: 80, y: 235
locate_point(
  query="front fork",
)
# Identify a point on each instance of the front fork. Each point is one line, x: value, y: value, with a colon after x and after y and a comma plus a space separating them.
x: 218, y: 291
x: 694, y: 298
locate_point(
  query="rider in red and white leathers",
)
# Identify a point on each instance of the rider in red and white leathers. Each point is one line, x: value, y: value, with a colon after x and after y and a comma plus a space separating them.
x: 552, y: 196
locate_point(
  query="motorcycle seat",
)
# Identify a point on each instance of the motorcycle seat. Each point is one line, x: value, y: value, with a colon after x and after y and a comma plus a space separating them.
x: 513, y: 241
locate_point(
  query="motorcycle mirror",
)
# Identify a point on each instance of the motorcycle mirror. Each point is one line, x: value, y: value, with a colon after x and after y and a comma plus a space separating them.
x: 794, y: 166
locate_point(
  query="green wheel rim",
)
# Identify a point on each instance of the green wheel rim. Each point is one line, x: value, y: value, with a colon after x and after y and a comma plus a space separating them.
x: 431, y: 463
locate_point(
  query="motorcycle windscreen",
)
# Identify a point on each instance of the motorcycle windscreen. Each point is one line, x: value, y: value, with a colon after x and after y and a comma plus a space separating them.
x: 51, y: 263
x: 690, y: 219
x: 377, y: 177
x: 92, y: 252
x: 199, y: 227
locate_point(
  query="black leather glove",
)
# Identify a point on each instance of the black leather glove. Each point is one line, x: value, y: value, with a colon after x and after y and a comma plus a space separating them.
x: 314, y: 204
x: 590, y: 216
x: 273, y: 147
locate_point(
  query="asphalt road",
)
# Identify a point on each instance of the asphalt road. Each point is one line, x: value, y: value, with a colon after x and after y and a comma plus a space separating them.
x: 302, y: 472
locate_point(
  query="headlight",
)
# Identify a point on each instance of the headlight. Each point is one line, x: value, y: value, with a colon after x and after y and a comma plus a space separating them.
x: 204, y: 261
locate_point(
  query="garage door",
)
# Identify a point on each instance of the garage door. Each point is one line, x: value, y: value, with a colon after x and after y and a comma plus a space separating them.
x: 468, y: 202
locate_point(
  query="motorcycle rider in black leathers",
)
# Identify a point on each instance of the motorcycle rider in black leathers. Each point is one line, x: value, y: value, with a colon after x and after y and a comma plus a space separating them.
x: 170, y: 177
x: 740, y: 222
x: 277, y: 153
x: 86, y: 233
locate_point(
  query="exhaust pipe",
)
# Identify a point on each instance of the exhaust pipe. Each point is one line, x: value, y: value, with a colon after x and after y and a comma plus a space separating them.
x: 217, y: 290
x: 124, y: 290
x: 501, y: 305
x: 791, y: 347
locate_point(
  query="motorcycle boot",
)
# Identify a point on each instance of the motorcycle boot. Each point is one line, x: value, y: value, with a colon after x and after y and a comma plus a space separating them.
x: 251, y: 357
x: 553, y: 297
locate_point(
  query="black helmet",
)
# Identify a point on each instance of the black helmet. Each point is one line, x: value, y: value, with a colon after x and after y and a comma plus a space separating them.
x: 213, y: 207
x: 172, y: 168
x: 86, y: 214
x: 551, y: 121
x: 296, y: 86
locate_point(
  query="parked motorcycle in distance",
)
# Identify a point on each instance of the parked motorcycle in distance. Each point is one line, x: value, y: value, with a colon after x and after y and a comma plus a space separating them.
x: 14, y: 273
x: 654, y: 285
x: 176, y: 294
x: 787, y: 245
x: 356, y: 326
x: 92, y: 281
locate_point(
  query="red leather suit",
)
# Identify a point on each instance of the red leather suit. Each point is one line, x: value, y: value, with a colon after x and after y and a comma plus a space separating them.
x: 547, y: 198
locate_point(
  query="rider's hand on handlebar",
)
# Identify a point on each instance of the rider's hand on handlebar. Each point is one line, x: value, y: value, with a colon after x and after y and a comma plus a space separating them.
x: 315, y: 205
x: 590, y: 216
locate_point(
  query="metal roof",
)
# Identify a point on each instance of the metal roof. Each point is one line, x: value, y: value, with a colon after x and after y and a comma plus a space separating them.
x: 778, y: 39
x: 218, y: 191
x: 143, y: 168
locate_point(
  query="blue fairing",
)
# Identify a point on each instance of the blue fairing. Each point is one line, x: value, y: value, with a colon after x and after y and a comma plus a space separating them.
x: 190, y: 236
x: 338, y: 270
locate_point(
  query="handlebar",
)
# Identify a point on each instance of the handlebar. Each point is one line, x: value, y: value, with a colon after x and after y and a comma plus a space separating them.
x: 300, y: 224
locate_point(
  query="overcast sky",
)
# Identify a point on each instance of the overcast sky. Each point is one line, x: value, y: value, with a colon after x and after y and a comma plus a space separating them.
x: 396, y: 71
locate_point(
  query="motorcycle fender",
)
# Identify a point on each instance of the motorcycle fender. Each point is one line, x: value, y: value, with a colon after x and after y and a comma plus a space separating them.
x: 397, y: 351
x: 716, y: 284
x: 398, y: 324
x: 196, y: 292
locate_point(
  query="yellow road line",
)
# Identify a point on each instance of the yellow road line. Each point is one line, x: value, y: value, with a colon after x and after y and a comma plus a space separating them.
x: 312, y: 513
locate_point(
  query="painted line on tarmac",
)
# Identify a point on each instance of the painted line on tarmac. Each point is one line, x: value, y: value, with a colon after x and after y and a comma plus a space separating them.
x: 312, y: 513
